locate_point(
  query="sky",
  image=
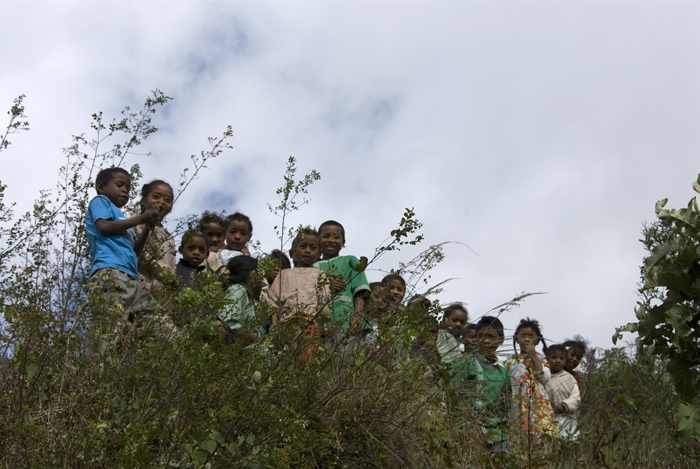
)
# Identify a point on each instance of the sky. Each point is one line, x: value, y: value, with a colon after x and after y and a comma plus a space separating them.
x: 534, y: 136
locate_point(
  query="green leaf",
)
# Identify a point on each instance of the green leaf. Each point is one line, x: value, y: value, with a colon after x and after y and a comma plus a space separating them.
x: 626, y: 401
x: 31, y: 370
x: 688, y: 417
x: 209, y: 445
x: 200, y: 456
x: 218, y: 437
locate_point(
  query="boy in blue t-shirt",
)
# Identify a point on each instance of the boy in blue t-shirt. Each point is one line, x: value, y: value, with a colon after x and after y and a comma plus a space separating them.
x: 114, y: 247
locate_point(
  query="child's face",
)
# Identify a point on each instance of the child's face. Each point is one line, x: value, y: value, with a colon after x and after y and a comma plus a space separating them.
x: 306, y: 252
x: 215, y: 233
x: 396, y: 290
x: 527, y: 336
x: 195, y: 251
x: 488, y: 340
x: 456, y: 321
x: 331, y: 241
x: 237, y: 235
x: 470, y: 340
x: 117, y: 189
x: 160, y: 198
x: 557, y: 361
x: 574, y: 356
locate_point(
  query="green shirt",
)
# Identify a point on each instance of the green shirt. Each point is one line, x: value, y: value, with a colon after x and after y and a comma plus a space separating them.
x: 355, y: 283
x: 485, y: 389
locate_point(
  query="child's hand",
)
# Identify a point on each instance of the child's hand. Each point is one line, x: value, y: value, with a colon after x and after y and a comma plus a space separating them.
x: 559, y: 408
x: 530, y: 351
x: 337, y: 284
x: 150, y: 217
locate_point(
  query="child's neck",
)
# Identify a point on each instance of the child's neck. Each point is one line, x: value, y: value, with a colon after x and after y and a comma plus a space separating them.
x: 329, y: 258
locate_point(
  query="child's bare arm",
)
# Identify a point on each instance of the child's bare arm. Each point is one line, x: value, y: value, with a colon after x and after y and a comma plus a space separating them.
x: 108, y: 227
x: 359, y: 309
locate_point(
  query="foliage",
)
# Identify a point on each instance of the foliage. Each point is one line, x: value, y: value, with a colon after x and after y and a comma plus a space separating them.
x: 288, y: 194
x: 628, y: 414
x: 197, y: 401
x: 16, y: 123
x: 668, y: 315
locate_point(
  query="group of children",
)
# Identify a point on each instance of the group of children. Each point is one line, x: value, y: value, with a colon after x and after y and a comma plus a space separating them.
x: 542, y: 392
x: 131, y: 258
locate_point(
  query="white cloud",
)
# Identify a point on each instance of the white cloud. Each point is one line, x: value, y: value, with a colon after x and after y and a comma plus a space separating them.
x: 538, y: 133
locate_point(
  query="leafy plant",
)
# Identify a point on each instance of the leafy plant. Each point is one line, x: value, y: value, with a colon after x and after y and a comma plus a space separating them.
x: 668, y: 316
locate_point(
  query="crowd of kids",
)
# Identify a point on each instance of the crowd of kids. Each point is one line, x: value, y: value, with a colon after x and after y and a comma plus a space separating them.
x: 321, y: 295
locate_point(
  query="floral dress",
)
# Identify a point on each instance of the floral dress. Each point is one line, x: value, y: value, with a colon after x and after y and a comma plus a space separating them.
x: 532, y: 406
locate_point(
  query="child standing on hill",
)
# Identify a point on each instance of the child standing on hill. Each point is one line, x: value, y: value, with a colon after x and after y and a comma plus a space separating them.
x: 576, y: 349
x: 159, y: 252
x: 240, y: 311
x: 303, y: 290
x: 114, y: 248
x: 212, y: 226
x: 484, y: 384
x: 469, y: 339
x: 348, y: 281
x: 529, y: 373
x: 563, y: 392
x: 194, y: 249
x: 453, y: 321
x: 239, y: 229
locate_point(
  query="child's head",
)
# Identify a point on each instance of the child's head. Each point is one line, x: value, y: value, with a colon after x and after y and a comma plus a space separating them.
x: 239, y: 229
x: 489, y: 334
x: 212, y: 226
x: 194, y: 247
x: 556, y: 355
x: 528, y: 333
x: 306, y: 248
x: 157, y: 195
x: 395, y: 287
x: 332, y: 236
x: 239, y: 269
x: 115, y: 184
x: 469, y: 338
x: 576, y: 349
x: 455, y: 317
x: 281, y: 262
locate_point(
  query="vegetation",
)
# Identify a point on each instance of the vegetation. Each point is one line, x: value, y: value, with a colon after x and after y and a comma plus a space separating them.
x: 668, y: 314
x: 197, y: 401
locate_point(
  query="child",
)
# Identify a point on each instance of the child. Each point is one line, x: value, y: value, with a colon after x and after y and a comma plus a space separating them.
x: 395, y: 287
x: 272, y: 264
x: 240, y: 293
x: 381, y: 313
x: 485, y: 384
x: 239, y: 229
x: 348, y: 284
x: 563, y: 392
x: 159, y: 252
x: 529, y: 374
x: 576, y: 349
x: 303, y: 290
x: 114, y: 249
x: 453, y: 320
x: 194, y: 249
x: 469, y: 339
x: 212, y: 226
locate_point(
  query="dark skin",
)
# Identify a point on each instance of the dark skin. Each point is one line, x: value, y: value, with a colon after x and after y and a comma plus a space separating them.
x: 332, y: 241
x: 117, y: 191
x: 489, y: 341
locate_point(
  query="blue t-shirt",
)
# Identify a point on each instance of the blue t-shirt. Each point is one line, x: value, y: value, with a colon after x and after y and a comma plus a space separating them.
x: 114, y: 251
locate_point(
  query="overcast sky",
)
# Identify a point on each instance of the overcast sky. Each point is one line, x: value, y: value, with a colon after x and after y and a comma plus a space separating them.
x: 538, y: 133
